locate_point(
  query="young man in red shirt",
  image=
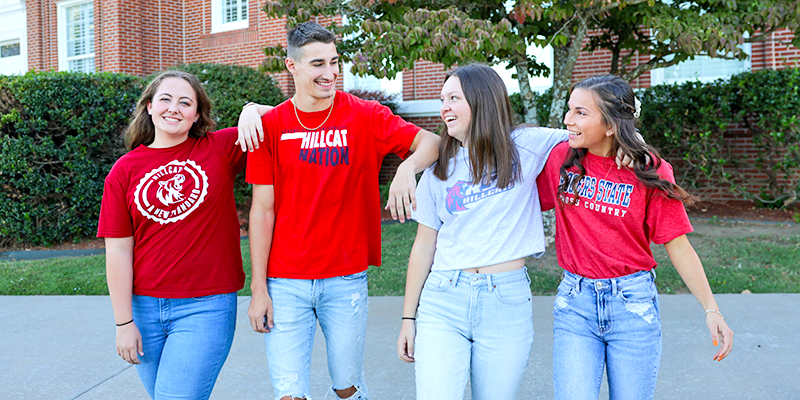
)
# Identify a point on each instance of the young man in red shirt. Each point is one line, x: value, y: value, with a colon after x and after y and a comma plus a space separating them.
x: 315, y: 216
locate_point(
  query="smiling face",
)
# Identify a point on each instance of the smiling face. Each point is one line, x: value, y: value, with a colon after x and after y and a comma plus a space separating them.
x: 173, y: 110
x: 455, y: 112
x: 586, y: 126
x: 315, y: 71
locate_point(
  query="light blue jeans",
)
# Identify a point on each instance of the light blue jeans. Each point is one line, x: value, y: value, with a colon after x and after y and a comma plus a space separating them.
x: 340, y: 304
x: 476, y: 326
x: 606, y: 323
x: 185, y: 343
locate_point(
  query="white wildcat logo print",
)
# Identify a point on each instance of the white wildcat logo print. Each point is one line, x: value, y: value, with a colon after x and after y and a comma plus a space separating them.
x: 171, y: 192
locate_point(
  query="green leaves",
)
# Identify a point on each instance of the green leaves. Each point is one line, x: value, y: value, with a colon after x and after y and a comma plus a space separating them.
x: 692, y: 122
x: 60, y: 133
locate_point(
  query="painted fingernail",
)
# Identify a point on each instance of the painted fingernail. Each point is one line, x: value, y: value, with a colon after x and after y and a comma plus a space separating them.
x: 715, y: 343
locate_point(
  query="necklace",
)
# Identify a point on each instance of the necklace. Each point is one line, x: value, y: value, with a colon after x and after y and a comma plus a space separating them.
x: 323, y: 122
x: 609, y: 167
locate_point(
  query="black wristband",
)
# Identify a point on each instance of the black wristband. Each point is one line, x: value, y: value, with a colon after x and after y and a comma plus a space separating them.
x: 126, y: 323
x: 411, y: 318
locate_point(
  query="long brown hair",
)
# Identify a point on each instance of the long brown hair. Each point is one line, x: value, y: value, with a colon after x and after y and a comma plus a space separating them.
x: 141, y: 129
x: 492, y: 153
x: 616, y: 102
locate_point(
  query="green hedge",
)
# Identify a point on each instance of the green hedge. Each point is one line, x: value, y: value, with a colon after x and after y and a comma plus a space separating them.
x: 60, y: 133
x: 688, y: 123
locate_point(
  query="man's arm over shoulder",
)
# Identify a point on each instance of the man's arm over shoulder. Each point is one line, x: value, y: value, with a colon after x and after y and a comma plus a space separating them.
x: 402, y: 199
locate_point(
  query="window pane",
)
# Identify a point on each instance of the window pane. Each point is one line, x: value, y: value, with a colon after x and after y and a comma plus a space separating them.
x: 80, y: 29
x: 9, y: 50
x: 703, y: 68
x: 234, y: 10
x: 82, y: 65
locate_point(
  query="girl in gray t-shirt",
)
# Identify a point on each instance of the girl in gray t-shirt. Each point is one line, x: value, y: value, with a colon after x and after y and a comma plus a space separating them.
x: 467, y: 312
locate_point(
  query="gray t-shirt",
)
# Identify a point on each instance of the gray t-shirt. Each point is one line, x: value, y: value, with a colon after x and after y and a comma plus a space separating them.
x: 483, y: 225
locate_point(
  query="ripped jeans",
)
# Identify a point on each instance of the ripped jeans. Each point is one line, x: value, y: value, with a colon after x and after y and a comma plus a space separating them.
x: 340, y: 305
x: 606, y: 323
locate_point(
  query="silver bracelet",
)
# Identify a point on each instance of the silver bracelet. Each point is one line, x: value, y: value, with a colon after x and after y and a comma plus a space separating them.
x: 715, y: 311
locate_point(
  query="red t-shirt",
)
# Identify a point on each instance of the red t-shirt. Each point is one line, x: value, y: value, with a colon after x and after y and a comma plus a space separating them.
x: 607, y: 233
x: 327, y: 204
x: 178, y: 205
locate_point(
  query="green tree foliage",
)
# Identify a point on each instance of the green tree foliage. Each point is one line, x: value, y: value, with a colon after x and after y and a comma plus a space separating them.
x: 59, y: 134
x: 383, y: 37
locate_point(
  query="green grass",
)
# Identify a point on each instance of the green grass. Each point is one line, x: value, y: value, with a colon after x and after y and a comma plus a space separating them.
x: 761, y: 264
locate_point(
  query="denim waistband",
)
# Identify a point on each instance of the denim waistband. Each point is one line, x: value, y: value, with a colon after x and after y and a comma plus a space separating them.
x: 612, y: 284
x: 460, y: 277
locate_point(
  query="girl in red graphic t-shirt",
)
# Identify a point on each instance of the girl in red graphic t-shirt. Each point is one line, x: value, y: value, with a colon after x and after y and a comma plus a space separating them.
x: 173, y: 260
x: 606, y: 313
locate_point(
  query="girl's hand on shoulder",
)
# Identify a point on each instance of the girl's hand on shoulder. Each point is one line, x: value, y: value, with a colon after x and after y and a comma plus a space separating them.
x: 721, y: 335
x: 129, y: 343
x: 405, y: 343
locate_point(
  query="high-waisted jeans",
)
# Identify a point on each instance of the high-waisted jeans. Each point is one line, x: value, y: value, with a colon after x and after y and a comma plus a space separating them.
x: 477, y: 326
x: 606, y: 323
x: 185, y: 343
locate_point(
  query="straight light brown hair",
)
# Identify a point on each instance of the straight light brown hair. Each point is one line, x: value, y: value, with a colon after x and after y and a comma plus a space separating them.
x: 493, y: 155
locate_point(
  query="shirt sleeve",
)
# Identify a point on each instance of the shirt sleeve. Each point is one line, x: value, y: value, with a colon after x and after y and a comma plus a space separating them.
x: 666, y: 218
x: 115, y: 218
x: 260, y: 165
x: 426, y: 213
x: 224, y: 140
x: 540, y: 141
x: 548, y: 179
x: 392, y: 133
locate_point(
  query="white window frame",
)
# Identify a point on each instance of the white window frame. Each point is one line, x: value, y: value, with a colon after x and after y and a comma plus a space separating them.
x: 218, y: 26
x: 12, y: 41
x: 10, y: 35
x: 63, y: 60
x: 657, y: 75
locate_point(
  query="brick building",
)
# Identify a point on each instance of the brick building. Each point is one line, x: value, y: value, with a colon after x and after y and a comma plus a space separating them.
x: 141, y: 37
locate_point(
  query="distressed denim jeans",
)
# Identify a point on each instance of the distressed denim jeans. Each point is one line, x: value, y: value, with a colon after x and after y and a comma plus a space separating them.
x: 611, y: 324
x: 185, y: 343
x: 340, y: 304
x: 477, y: 327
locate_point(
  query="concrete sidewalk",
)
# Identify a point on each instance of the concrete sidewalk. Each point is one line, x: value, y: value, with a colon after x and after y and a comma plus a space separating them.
x: 62, y: 347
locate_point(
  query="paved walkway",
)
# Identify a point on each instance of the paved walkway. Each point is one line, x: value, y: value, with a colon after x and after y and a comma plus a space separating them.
x: 62, y: 347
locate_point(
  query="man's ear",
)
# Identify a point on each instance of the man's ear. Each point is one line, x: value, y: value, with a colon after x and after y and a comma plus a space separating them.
x: 290, y: 65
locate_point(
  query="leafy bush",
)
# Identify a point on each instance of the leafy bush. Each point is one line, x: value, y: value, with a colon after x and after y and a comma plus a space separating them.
x: 230, y: 87
x: 60, y: 133
x: 768, y: 104
x: 690, y: 122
